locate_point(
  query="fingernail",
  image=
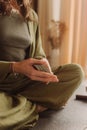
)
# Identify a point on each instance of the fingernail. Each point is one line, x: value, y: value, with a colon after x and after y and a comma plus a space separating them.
x: 56, y: 80
x: 47, y: 83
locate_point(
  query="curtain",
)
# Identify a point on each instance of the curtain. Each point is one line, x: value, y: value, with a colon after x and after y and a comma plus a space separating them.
x: 74, y: 43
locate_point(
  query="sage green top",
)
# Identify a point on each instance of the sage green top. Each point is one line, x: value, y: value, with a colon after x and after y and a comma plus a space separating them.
x: 18, y: 36
x: 14, y: 38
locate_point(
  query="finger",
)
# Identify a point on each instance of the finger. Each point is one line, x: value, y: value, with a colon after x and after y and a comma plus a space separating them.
x: 42, y: 79
x: 44, y: 75
x: 47, y: 83
x: 36, y: 61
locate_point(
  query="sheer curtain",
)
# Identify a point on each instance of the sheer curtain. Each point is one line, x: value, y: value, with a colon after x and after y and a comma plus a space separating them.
x: 74, y: 42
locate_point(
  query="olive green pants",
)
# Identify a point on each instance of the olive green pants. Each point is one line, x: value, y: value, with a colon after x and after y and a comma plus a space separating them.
x: 55, y: 95
x: 20, y: 96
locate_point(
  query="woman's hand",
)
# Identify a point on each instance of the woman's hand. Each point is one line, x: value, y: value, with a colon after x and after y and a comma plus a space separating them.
x: 26, y: 67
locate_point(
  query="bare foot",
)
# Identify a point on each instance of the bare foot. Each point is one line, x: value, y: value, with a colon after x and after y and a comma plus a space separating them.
x: 40, y: 108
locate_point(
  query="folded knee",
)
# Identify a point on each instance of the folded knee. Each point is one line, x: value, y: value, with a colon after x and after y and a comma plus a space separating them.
x: 79, y: 73
x: 55, y: 104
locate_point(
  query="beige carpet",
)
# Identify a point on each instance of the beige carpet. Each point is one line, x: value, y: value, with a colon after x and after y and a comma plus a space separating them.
x: 72, y: 117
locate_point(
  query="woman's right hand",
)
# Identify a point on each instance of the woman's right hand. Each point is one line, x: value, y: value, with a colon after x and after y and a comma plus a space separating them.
x: 26, y: 67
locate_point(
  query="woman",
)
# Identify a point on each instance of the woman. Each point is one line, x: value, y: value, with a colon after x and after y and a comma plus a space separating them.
x: 24, y: 90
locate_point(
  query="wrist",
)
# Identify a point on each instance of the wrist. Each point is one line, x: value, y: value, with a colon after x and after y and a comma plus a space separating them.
x: 13, y: 67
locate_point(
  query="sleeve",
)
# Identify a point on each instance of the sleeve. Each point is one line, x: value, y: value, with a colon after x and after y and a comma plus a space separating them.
x: 39, y: 51
x: 4, y: 69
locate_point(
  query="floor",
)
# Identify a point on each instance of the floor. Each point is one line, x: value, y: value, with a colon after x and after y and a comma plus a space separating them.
x: 72, y: 117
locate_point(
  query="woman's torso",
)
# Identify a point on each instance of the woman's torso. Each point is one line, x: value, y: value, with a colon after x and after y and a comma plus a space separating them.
x: 14, y: 38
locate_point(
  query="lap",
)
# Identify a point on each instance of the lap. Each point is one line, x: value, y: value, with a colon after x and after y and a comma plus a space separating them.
x: 53, y: 95
x: 56, y: 94
x: 70, y: 76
